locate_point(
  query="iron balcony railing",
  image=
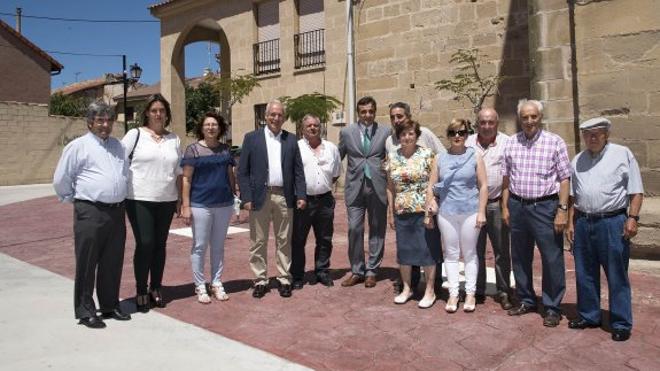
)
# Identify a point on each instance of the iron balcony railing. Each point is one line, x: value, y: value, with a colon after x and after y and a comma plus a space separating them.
x: 267, y: 57
x: 310, y: 49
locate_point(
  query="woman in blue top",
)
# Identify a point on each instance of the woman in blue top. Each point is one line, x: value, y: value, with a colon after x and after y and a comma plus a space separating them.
x: 208, y: 198
x: 462, y: 192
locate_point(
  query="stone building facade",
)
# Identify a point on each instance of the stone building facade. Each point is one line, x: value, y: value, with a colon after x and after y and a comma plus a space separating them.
x: 582, y: 58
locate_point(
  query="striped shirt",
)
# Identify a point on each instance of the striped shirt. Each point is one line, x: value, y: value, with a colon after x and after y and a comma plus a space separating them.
x: 493, y: 157
x: 535, y: 166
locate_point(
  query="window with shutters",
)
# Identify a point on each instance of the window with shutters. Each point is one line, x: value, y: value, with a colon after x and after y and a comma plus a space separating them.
x: 267, y: 49
x: 259, y: 115
x: 309, y: 41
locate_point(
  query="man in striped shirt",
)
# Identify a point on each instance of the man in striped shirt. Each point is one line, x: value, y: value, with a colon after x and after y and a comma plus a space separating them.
x: 535, y: 189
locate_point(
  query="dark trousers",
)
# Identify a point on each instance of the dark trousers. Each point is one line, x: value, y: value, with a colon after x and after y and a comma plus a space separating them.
x: 319, y: 215
x: 99, y: 238
x: 498, y: 233
x: 150, y: 222
x: 370, y: 205
x: 534, y: 223
x: 599, y: 242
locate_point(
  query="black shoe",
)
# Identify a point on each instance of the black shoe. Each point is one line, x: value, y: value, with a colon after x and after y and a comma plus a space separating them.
x: 325, y: 280
x: 298, y: 284
x: 522, y: 309
x: 580, y: 324
x: 92, y: 322
x: 551, y: 319
x: 259, y: 291
x: 142, y: 303
x: 116, y: 314
x: 480, y: 298
x: 157, y: 298
x: 504, y: 301
x: 620, y: 335
x: 285, y: 290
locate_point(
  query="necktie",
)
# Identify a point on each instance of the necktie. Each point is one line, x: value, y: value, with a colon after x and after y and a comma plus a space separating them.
x: 366, y: 146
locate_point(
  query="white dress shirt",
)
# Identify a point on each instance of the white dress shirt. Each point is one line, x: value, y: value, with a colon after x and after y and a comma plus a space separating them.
x: 493, y: 157
x: 92, y: 169
x: 274, y: 147
x: 320, y: 168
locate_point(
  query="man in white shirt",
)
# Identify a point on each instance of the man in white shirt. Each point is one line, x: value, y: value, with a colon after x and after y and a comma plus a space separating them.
x: 322, y: 166
x: 272, y: 184
x: 92, y: 174
x: 489, y: 143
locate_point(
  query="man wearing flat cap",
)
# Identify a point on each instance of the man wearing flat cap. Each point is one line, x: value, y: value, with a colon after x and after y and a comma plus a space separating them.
x: 606, y: 195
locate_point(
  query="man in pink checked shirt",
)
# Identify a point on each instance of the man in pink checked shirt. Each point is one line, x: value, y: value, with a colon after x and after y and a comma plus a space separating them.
x: 535, y: 189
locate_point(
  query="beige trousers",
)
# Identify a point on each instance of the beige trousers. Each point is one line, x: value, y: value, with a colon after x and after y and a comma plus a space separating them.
x: 275, y: 210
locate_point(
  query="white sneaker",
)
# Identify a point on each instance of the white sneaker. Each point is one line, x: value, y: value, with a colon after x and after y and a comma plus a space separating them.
x: 202, y: 296
x: 218, y: 292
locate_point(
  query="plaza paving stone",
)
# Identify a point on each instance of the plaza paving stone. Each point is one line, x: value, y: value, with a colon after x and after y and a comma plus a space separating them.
x: 354, y: 328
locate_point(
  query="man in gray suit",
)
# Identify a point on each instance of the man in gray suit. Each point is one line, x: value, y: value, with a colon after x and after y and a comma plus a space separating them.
x: 364, y: 144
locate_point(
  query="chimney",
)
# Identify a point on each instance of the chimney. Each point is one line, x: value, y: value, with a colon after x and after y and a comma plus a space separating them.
x: 19, y: 11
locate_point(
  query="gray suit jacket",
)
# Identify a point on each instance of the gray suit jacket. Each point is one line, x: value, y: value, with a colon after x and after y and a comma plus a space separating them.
x: 350, y: 144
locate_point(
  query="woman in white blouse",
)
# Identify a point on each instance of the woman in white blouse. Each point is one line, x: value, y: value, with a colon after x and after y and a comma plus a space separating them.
x: 154, y: 176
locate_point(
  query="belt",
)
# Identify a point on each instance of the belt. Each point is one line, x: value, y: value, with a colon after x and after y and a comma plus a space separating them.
x: 317, y: 197
x: 608, y: 214
x: 101, y: 204
x: 496, y: 199
x: 534, y: 200
x: 275, y: 189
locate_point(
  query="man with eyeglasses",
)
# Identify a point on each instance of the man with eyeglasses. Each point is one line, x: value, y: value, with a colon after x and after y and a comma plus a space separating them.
x: 535, y: 180
x: 489, y: 143
x: 272, y: 183
x: 606, y: 197
x: 92, y: 174
x: 399, y: 112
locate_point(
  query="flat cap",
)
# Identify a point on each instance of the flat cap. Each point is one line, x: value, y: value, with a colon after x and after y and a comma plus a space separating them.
x: 596, y: 123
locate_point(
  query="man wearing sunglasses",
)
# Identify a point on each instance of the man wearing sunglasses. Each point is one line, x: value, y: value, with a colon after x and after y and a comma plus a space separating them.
x: 606, y: 196
x: 535, y: 180
x: 489, y: 143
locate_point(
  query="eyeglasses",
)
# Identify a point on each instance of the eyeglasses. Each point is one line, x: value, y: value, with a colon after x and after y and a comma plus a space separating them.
x: 103, y: 120
x: 453, y: 133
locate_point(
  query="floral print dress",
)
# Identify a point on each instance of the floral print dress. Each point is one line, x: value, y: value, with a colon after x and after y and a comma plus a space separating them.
x: 410, y: 177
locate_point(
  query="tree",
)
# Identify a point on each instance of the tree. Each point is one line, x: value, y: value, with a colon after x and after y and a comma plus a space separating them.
x: 468, y: 83
x: 232, y: 90
x: 67, y: 105
x: 318, y: 104
x: 199, y: 100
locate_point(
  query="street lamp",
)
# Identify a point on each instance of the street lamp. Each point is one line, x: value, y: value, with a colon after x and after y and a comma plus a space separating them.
x: 136, y: 72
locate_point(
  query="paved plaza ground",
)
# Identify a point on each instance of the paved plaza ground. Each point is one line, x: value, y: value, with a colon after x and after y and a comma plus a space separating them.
x: 321, y: 328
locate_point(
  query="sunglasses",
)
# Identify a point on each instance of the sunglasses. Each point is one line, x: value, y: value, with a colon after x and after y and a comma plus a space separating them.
x: 460, y: 133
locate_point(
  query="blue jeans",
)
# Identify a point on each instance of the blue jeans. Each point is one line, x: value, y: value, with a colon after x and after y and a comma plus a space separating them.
x: 600, y: 242
x: 534, y: 223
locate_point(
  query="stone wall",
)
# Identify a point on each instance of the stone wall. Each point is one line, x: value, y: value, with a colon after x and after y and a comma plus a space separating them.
x: 618, y: 49
x: 31, y: 141
x: 404, y: 46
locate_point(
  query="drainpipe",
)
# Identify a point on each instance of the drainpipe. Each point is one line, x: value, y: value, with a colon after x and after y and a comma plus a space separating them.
x: 350, y: 62
x: 19, y: 12
x: 574, y: 74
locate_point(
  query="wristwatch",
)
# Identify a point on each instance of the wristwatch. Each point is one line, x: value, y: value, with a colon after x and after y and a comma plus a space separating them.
x: 636, y: 217
x: 563, y: 207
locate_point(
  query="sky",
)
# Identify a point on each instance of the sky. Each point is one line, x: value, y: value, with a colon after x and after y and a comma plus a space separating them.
x: 139, y: 41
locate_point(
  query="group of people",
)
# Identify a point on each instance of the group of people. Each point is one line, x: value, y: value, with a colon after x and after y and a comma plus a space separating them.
x: 517, y: 192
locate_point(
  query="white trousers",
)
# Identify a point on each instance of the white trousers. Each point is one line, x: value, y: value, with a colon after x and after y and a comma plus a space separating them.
x: 209, y: 227
x: 459, y: 235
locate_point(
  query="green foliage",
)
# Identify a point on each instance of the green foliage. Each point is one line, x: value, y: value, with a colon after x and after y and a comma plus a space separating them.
x: 318, y: 104
x: 67, y: 105
x: 468, y: 83
x: 232, y: 90
x: 199, y: 100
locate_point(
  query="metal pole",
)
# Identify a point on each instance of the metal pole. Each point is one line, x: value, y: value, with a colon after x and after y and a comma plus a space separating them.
x: 350, y: 73
x: 19, y: 12
x: 125, y: 83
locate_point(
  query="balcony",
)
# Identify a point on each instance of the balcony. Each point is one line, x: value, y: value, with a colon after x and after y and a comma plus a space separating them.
x: 310, y: 49
x: 266, y: 57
